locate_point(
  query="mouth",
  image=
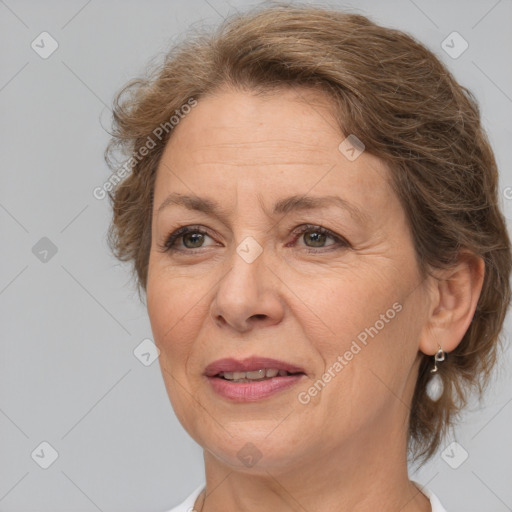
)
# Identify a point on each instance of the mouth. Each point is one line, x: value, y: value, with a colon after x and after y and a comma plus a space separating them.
x: 251, y: 368
x: 252, y: 379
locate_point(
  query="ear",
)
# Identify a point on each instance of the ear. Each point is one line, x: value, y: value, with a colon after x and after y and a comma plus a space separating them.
x: 455, y: 294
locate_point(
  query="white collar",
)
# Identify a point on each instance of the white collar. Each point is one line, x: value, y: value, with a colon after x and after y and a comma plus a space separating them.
x: 434, y: 500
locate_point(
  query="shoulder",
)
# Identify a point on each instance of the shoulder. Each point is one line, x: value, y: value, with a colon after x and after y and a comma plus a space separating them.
x: 188, y: 504
x: 434, y: 500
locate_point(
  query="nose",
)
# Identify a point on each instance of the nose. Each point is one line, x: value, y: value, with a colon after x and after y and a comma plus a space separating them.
x: 248, y: 296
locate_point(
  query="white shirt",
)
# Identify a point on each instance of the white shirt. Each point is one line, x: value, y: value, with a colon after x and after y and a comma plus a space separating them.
x: 188, y: 504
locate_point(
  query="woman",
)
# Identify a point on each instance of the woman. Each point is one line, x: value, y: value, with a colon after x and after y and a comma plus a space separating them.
x: 312, y: 216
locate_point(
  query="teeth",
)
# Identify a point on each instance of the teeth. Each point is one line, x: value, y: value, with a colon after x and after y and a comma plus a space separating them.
x: 263, y: 373
x: 258, y: 374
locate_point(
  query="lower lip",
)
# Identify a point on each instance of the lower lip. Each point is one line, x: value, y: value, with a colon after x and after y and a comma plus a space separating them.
x: 252, y: 391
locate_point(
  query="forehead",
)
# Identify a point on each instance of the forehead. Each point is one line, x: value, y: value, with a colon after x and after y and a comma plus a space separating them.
x: 243, y: 123
x: 284, y: 139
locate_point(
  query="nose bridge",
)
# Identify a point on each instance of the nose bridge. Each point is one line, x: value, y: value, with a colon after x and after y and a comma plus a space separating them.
x: 247, y: 292
x: 245, y: 279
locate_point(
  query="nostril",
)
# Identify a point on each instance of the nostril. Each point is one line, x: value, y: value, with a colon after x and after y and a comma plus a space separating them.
x: 221, y: 320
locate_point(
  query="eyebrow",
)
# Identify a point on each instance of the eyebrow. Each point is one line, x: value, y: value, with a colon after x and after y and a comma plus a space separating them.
x: 283, y: 206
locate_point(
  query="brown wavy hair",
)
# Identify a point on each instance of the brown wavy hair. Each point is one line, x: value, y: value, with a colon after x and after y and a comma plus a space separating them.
x: 396, y: 97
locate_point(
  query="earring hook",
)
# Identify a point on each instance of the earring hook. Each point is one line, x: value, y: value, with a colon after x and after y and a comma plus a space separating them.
x: 438, y: 358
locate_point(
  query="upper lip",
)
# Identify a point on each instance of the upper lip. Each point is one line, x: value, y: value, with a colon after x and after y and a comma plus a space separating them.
x: 249, y: 364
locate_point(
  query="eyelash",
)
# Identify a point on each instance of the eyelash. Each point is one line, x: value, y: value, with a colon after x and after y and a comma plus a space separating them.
x: 169, y: 245
x: 339, y: 241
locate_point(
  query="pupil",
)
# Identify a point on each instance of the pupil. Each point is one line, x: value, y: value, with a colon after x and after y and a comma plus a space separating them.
x: 195, y: 239
x: 316, y: 239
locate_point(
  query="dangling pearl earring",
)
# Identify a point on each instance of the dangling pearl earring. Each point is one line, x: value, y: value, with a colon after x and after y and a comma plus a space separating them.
x: 435, y: 386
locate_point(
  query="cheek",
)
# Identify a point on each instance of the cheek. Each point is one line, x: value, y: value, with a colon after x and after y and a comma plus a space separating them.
x: 174, y: 307
x: 174, y: 310
x: 341, y: 303
x: 378, y: 353
x: 366, y: 317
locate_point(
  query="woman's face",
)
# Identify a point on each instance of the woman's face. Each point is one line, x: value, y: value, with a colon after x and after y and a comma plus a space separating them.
x: 298, y: 253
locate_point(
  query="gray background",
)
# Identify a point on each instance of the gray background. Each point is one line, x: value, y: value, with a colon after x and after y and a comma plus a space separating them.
x: 70, y: 324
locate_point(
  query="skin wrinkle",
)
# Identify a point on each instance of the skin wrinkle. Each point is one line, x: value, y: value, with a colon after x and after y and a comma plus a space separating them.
x: 282, y: 207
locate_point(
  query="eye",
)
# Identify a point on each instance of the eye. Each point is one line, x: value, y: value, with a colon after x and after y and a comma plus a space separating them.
x: 317, y: 237
x: 187, y: 238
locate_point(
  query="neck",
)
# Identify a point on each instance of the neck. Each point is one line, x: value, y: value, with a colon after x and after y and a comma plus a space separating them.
x: 366, y: 475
